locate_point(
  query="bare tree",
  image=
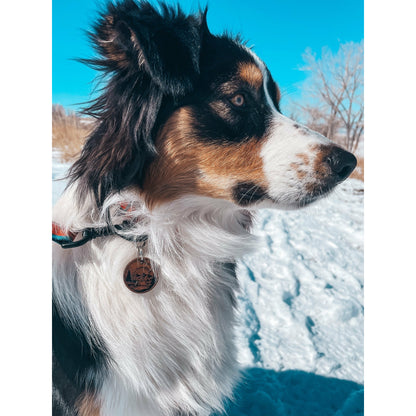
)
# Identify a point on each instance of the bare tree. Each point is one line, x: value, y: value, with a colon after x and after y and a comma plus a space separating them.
x: 334, y: 93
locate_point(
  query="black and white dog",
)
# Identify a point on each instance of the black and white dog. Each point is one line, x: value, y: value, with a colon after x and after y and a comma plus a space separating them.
x: 189, y: 141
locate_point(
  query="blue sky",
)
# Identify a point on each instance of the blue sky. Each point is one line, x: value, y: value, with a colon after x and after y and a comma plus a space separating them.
x: 280, y: 31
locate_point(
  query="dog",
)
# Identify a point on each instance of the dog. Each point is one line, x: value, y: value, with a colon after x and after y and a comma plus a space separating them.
x: 189, y: 141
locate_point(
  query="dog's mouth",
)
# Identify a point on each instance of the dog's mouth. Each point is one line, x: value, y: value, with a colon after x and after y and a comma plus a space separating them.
x: 334, y: 169
x: 250, y: 194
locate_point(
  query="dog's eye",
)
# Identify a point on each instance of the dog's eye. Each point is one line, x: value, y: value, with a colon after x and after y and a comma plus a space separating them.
x: 238, y: 100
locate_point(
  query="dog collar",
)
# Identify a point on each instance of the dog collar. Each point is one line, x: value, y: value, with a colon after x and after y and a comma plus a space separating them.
x: 68, y: 239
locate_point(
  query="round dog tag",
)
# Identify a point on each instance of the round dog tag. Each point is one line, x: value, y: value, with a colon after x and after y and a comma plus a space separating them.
x: 139, y: 276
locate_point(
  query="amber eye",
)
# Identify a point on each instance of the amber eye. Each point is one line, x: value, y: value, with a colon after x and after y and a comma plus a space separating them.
x: 238, y: 100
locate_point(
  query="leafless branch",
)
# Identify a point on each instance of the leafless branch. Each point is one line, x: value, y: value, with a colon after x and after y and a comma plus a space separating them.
x: 334, y: 93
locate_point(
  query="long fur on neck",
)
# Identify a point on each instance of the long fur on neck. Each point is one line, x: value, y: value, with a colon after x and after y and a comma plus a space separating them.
x: 173, y: 344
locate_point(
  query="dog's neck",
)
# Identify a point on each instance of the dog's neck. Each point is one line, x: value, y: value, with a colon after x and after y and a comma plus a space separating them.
x: 206, y: 227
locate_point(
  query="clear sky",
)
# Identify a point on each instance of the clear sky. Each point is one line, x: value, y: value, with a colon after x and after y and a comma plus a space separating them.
x: 280, y: 31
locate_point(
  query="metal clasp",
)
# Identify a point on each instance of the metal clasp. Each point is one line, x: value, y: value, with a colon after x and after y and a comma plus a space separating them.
x: 140, y: 244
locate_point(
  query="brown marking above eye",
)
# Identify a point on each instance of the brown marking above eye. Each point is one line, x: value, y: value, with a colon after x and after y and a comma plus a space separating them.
x: 238, y: 100
x: 251, y: 74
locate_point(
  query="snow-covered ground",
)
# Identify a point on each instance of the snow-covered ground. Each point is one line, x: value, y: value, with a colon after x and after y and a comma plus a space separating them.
x: 301, y: 308
x: 301, y: 323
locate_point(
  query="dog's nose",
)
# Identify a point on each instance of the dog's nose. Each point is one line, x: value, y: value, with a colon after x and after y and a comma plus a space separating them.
x: 341, y: 162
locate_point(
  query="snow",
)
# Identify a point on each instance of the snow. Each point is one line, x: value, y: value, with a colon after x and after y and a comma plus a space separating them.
x: 301, y: 315
x: 59, y: 170
x: 301, y: 310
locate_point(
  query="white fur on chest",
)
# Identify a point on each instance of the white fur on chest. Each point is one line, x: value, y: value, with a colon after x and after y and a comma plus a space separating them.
x: 172, y: 344
x: 172, y: 347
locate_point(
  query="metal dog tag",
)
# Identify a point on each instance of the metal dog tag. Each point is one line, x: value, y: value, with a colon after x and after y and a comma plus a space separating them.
x: 139, y: 276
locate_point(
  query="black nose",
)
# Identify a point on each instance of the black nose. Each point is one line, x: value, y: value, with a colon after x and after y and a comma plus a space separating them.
x: 341, y: 162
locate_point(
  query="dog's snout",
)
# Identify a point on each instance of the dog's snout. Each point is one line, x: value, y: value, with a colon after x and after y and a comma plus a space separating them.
x: 341, y: 162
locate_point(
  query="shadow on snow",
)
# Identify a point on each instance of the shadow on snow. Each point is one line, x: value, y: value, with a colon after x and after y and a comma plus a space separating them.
x: 264, y: 392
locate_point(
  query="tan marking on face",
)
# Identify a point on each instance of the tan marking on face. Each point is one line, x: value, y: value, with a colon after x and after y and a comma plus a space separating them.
x: 304, y: 157
x: 87, y: 406
x: 234, y: 163
x: 297, y: 167
x: 310, y: 187
x: 250, y: 73
x: 320, y: 167
x: 186, y: 165
x: 301, y: 174
x: 321, y: 170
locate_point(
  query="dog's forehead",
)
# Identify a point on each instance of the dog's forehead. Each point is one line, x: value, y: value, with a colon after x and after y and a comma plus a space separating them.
x: 227, y: 57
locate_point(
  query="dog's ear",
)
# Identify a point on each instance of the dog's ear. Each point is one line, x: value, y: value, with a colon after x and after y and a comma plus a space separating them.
x: 136, y: 37
x: 149, y: 60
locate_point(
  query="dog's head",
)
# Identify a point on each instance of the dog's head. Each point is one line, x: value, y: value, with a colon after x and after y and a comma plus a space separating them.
x: 185, y: 112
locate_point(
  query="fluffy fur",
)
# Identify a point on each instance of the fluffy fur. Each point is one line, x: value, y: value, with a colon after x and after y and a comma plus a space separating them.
x: 172, y: 345
x: 190, y: 135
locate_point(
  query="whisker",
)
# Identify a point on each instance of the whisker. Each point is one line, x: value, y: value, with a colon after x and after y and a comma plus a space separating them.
x: 254, y: 187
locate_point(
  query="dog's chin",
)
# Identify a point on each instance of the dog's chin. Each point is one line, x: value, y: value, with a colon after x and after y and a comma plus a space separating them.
x: 307, y: 201
x: 294, y: 200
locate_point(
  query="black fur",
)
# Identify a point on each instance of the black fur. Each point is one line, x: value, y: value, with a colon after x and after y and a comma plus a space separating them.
x: 272, y: 90
x: 246, y: 193
x: 77, y: 367
x: 150, y: 59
